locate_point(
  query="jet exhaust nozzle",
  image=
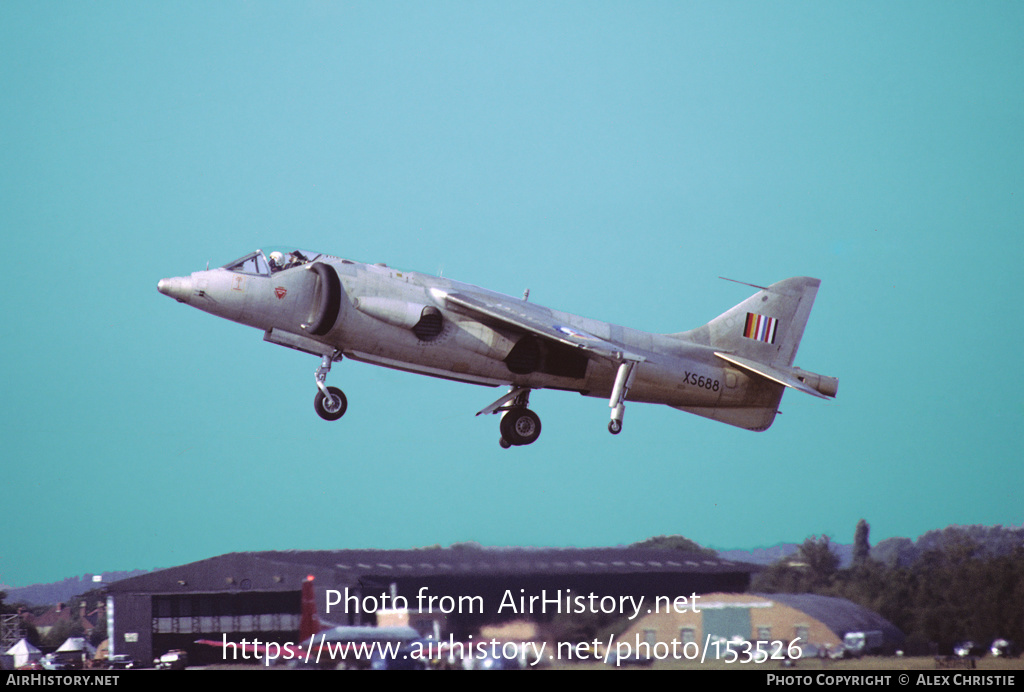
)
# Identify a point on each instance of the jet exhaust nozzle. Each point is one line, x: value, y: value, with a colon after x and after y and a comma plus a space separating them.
x: 823, y: 384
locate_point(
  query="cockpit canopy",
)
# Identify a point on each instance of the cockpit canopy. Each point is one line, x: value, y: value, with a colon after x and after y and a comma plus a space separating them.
x: 276, y: 260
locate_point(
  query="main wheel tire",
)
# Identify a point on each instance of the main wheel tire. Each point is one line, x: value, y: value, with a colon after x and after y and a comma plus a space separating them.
x: 334, y: 408
x: 615, y: 427
x: 520, y: 426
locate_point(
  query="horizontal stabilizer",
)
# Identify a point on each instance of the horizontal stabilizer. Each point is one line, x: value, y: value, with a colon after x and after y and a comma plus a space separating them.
x: 811, y: 383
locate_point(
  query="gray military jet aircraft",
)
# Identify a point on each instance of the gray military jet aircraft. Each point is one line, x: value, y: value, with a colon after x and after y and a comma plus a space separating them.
x: 733, y: 369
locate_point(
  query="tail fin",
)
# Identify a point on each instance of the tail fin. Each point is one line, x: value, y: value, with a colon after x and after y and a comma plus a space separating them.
x: 767, y: 326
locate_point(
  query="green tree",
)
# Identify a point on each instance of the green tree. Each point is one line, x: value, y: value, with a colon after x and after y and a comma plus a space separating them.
x: 61, y: 631
x: 861, y: 547
x: 781, y: 576
x: 675, y: 542
x: 822, y: 562
x: 813, y: 567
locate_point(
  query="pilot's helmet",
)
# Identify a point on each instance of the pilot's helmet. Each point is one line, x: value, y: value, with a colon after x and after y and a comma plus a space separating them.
x: 277, y: 259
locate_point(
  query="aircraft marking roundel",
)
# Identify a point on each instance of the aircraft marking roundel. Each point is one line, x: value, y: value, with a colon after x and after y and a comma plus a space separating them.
x: 569, y: 331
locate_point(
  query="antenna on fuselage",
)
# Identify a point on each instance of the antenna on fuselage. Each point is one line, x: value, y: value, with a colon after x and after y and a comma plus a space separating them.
x: 526, y: 294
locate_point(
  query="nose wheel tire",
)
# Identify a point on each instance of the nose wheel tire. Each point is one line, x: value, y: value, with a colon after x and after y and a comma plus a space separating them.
x: 615, y: 427
x: 520, y: 426
x: 333, y: 408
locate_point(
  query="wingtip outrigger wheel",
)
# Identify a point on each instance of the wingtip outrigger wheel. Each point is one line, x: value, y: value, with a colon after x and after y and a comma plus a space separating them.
x: 623, y: 381
x: 330, y: 402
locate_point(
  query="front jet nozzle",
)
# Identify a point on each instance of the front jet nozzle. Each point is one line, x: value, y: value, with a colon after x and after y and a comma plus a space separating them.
x: 178, y: 287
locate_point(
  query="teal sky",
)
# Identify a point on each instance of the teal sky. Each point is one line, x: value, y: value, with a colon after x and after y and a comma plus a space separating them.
x: 613, y: 157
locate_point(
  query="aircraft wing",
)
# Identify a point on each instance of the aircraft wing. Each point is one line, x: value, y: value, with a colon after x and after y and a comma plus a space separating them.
x: 773, y: 374
x: 524, y: 317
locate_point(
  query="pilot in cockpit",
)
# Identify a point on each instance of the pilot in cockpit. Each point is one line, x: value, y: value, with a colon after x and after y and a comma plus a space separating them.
x: 280, y: 261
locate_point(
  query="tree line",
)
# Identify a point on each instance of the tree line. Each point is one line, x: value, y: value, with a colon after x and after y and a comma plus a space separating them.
x: 953, y: 588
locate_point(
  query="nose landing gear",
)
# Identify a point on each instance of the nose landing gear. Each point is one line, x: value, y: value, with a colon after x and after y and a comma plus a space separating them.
x: 331, y: 406
x: 330, y: 402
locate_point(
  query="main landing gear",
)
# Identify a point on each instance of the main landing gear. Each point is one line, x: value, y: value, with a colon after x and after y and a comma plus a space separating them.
x: 330, y: 402
x: 519, y: 425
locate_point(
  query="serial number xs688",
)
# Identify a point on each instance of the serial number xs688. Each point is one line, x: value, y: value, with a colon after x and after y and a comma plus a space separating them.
x: 701, y: 381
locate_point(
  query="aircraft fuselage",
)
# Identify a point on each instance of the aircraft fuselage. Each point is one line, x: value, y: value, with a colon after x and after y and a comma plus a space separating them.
x: 334, y: 307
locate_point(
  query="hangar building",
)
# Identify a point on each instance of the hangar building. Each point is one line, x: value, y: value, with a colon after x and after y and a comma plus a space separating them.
x: 258, y: 594
x: 819, y: 622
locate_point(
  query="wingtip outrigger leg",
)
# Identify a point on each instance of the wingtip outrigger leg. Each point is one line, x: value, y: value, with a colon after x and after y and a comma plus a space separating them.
x: 617, y: 402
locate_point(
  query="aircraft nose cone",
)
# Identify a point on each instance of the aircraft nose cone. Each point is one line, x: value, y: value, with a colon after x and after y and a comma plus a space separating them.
x: 178, y: 287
